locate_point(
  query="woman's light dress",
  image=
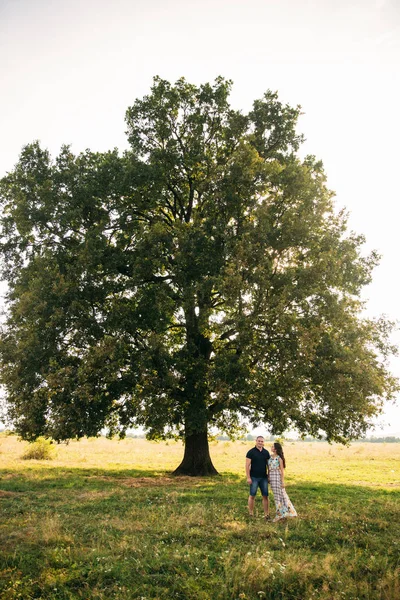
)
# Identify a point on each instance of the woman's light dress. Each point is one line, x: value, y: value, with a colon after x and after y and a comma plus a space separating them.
x: 284, y: 508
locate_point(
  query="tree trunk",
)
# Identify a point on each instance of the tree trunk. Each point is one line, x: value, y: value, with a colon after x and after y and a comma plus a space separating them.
x: 196, y: 460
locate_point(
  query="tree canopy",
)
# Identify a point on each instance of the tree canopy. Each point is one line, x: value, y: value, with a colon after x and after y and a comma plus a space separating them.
x: 200, y: 278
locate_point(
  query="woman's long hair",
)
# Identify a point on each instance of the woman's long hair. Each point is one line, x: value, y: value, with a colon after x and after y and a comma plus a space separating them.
x: 279, y: 452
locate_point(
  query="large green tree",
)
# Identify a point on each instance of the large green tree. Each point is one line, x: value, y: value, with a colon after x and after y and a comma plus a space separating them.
x: 201, y: 278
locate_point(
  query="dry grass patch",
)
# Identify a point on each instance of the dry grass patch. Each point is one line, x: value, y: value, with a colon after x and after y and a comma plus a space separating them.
x: 193, y: 515
x: 172, y: 497
x: 4, y: 494
x: 152, y: 481
x: 92, y: 495
x: 128, y: 525
x: 22, y: 534
x: 252, y: 571
x: 235, y: 526
x: 50, y: 530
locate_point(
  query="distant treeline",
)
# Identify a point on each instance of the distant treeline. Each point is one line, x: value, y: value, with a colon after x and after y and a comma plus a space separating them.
x: 388, y: 439
x: 250, y: 438
x: 391, y: 439
x: 373, y: 440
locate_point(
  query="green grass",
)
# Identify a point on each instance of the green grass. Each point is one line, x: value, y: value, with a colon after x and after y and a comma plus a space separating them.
x: 105, y: 520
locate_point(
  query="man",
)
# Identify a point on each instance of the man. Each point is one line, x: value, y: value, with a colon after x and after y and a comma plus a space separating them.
x: 256, y: 473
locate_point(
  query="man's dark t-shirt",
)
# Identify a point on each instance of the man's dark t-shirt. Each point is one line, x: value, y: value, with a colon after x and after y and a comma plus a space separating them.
x: 259, y: 460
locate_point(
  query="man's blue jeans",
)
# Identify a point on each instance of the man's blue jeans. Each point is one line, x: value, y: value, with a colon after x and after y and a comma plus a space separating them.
x: 259, y: 482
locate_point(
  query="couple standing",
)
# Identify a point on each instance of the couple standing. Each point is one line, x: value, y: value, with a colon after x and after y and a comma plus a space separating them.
x: 257, y: 461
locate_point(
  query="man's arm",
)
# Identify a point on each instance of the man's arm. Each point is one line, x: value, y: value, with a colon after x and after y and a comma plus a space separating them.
x: 248, y: 465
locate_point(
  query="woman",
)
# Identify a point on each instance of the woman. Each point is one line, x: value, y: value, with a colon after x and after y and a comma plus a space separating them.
x: 276, y: 476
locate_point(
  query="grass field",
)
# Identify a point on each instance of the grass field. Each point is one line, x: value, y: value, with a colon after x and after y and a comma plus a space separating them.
x: 105, y: 520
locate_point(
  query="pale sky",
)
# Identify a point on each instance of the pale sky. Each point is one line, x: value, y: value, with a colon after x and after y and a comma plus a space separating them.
x: 70, y: 68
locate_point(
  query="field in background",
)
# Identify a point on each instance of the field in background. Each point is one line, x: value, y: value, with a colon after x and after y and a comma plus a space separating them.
x: 104, y: 519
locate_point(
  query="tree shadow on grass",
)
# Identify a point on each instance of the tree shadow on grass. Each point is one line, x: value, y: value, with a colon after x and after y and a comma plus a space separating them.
x: 89, y: 484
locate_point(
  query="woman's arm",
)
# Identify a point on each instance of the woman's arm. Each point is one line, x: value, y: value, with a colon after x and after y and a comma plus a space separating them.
x: 282, y: 472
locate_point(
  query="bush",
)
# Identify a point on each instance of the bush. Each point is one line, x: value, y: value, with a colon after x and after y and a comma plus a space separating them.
x: 8, y: 432
x: 41, y: 449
